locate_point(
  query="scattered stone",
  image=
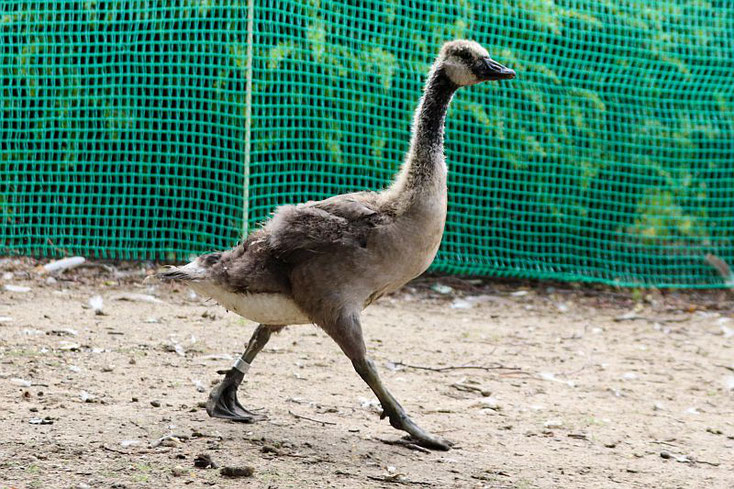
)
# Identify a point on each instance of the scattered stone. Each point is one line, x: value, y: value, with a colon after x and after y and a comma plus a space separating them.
x: 169, y: 441
x: 63, y: 332
x: 155, y: 403
x: 63, y: 264
x: 177, y: 348
x: 489, y: 402
x: 441, y: 289
x: 461, y: 304
x: 46, y: 420
x: 269, y: 449
x: 578, y: 436
x: 97, y: 303
x: 69, y: 346
x: 178, y: 471
x: 243, y: 471
x: 86, y: 396
x: 16, y: 288
x: 553, y: 423
x: 204, y: 461
x: 199, y: 385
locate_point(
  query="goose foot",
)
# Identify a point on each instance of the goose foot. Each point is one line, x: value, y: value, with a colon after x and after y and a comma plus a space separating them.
x: 416, y: 435
x: 223, y: 403
x: 392, y: 409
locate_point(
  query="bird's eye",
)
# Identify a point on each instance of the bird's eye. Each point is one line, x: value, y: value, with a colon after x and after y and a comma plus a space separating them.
x: 464, y: 56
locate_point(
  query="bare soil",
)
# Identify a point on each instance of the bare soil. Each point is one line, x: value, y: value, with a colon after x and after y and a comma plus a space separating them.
x: 584, y: 387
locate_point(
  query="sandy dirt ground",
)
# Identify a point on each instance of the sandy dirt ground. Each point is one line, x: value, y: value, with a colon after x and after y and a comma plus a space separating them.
x: 581, y: 387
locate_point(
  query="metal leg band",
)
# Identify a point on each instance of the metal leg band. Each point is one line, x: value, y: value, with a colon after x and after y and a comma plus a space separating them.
x: 241, y: 365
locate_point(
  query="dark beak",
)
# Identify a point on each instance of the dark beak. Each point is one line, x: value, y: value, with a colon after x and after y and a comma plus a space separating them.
x: 492, y: 70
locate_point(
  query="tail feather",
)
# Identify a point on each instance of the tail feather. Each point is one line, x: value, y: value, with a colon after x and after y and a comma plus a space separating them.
x: 190, y: 272
x: 173, y: 273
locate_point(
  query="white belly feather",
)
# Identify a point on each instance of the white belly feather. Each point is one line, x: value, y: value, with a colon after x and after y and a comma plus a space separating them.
x: 274, y: 309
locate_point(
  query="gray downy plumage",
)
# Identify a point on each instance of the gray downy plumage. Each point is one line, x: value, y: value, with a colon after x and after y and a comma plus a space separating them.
x: 324, y: 262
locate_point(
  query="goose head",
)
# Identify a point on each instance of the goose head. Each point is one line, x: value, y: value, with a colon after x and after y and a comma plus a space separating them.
x: 468, y: 63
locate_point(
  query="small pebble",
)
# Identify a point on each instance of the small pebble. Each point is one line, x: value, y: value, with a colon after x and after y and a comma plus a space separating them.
x: 155, y: 403
x: 204, y: 461
x: 170, y: 442
x: 269, y: 449
x: 243, y: 471
x: 178, y: 471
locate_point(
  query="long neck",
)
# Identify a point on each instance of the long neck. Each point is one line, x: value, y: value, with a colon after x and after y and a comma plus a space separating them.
x: 424, y: 166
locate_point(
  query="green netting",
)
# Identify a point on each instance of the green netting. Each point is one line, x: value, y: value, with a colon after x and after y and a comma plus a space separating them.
x: 154, y: 129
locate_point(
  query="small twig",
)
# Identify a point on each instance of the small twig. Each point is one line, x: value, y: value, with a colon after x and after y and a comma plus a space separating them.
x: 456, y: 367
x: 310, y: 419
x: 575, y: 371
x: 635, y: 317
x: 518, y: 372
x: 110, y: 449
x: 699, y: 461
x: 399, y: 481
x: 663, y: 442
x: 471, y: 388
x: 406, y: 444
x: 137, y: 452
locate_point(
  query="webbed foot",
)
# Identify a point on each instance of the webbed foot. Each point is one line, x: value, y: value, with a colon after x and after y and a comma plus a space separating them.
x: 223, y: 403
x: 418, y: 436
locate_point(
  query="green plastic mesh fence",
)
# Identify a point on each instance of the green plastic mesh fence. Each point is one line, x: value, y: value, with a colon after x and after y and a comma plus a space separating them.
x: 152, y: 129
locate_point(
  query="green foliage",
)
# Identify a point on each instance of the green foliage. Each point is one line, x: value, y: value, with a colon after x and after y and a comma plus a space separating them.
x: 121, y: 127
x: 607, y: 159
x: 595, y: 163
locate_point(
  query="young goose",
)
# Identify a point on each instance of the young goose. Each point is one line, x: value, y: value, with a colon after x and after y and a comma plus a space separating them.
x: 324, y: 262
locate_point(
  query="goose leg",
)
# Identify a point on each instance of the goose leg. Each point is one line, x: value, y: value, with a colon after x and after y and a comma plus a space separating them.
x: 222, y: 402
x: 349, y: 337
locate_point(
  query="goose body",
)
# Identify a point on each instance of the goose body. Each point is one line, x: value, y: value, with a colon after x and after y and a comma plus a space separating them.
x: 262, y: 307
x: 323, y: 262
